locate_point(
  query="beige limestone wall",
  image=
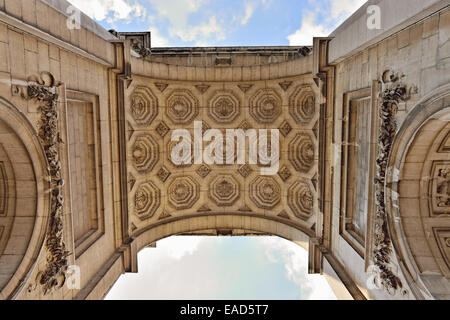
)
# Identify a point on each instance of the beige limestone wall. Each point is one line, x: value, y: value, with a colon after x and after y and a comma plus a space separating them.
x: 422, y: 53
x: 34, y: 39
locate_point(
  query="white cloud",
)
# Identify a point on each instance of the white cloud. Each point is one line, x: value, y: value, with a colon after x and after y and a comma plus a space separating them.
x: 342, y: 9
x: 178, y: 247
x: 312, y: 27
x: 295, y: 260
x: 308, y: 30
x: 100, y: 9
x: 249, y: 9
x: 193, y: 268
x: 158, y: 40
x: 177, y: 12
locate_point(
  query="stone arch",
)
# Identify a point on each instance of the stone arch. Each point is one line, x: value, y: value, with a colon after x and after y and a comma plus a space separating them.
x: 415, y: 224
x: 27, y: 182
x: 229, y: 224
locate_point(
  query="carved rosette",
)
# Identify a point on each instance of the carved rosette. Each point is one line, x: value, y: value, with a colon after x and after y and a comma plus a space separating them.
x: 302, y: 105
x: 440, y: 188
x: 224, y: 107
x: 43, y: 90
x: 301, y: 200
x: 144, y: 106
x: 145, y: 153
x: 265, y: 192
x: 393, y: 92
x: 301, y: 152
x: 147, y: 200
x: 183, y: 193
x: 224, y: 191
x: 182, y: 106
x: 265, y: 106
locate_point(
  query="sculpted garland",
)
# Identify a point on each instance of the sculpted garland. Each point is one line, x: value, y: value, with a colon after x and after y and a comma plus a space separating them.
x: 392, y: 93
x: 43, y: 90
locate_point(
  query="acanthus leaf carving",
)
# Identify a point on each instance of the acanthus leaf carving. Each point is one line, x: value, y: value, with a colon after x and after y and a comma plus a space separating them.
x: 43, y: 90
x: 393, y: 92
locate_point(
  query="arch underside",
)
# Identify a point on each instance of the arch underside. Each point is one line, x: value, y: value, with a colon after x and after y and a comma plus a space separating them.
x: 160, y: 190
x: 22, y: 229
x: 420, y: 197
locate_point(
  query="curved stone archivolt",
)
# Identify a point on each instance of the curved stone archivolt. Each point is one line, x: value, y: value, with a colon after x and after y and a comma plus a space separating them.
x: 421, y: 198
x: 23, y: 204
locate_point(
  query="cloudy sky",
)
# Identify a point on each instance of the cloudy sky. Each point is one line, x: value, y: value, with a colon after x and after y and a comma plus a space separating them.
x: 222, y: 268
x: 222, y: 22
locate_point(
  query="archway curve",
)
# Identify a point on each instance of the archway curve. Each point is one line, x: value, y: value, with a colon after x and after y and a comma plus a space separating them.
x: 232, y: 221
x: 14, y: 119
x: 434, y: 106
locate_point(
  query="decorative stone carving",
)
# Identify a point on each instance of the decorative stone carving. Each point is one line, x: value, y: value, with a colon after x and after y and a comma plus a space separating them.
x: 224, y: 191
x: 245, y: 125
x: 140, y: 49
x: 203, y: 171
x: 144, y: 106
x: 284, y: 173
x: 224, y: 107
x: 131, y: 181
x: 301, y: 200
x: 147, y: 200
x: 161, y: 86
x: 265, y: 192
x: 302, y: 105
x: 393, y: 92
x: 164, y: 215
x: 204, y: 208
x: 285, y: 128
x: 202, y: 88
x: 145, y: 153
x: 163, y: 174
x: 162, y: 129
x: 442, y: 236
x: 285, y: 85
x: 265, y: 106
x: 183, y: 192
x: 245, y: 87
x: 283, y: 214
x: 43, y: 90
x: 441, y: 187
x: 182, y: 106
x: 301, y: 152
x: 245, y: 170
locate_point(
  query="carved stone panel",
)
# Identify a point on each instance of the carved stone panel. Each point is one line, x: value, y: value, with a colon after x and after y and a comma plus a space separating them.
x: 224, y: 190
x: 182, y: 106
x: 193, y: 188
x: 224, y: 107
x: 301, y: 200
x: 145, y: 153
x: 265, y: 192
x: 183, y: 192
x: 265, y: 106
x: 442, y: 236
x: 144, y: 106
x: 147, y: 200
x: 302, y: 105
x: 301, y: 152
x: 440, y: 188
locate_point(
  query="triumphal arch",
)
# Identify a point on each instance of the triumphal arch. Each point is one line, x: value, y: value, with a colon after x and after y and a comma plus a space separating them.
x: 360, y: 126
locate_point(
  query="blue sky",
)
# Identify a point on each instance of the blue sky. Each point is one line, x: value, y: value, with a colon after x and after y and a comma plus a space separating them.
x: 222, y: 22
x: 222, y: 268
